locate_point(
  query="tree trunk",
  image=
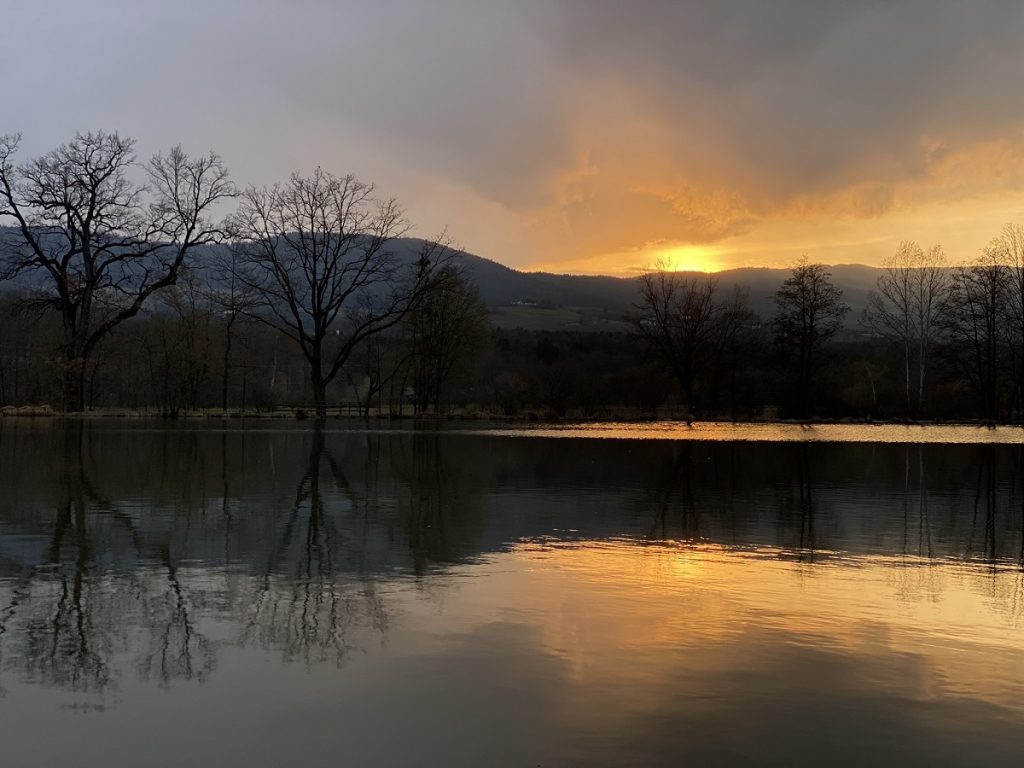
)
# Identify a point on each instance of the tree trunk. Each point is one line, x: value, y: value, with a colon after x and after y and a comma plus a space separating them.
x: 906, y: 364
x: 920, y: 381
x: 688, y: 394
x: 227, y: 366
x: 804, y: 391
x: 74, y: 384
x: 319, y: 387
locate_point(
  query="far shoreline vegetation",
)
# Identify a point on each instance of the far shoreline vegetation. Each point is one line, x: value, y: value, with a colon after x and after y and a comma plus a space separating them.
x: 347, y: 415
x: 309, y: 299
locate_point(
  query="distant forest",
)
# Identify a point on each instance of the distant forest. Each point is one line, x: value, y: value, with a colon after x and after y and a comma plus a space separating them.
x: 119, y: 290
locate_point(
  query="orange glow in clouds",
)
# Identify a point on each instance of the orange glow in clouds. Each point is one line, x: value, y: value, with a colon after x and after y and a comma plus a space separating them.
x: 688, y: 258
x: 674, y: 257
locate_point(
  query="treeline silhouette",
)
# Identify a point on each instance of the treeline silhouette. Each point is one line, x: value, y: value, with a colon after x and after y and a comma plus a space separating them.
x: 121, y: 294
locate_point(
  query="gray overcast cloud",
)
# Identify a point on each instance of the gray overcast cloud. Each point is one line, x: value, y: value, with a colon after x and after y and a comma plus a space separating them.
x: 542, y: 131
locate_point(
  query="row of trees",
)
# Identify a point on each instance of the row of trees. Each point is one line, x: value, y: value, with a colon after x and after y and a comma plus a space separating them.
x: 186, y: 352
x: 705, y: 340
x: 311, y: 278
x: 310, y: 258
x: 968, y: 319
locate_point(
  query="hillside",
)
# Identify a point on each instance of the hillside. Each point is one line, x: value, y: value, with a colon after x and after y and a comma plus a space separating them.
x: 542, y: 300
x: 545, y: 301
x: 525, y: 298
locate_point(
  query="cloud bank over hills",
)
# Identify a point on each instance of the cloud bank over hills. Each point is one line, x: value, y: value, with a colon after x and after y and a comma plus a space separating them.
x: 597, y: 136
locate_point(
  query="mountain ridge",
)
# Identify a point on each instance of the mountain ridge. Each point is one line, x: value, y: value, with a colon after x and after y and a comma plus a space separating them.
x: 519, y: 298
x: 501, y: 285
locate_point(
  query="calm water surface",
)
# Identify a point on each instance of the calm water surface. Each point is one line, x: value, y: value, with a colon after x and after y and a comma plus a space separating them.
x: 268, y: 594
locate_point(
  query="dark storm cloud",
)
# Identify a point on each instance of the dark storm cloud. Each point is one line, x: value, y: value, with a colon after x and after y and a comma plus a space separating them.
x: 798, y: 97
x: 697, y: 119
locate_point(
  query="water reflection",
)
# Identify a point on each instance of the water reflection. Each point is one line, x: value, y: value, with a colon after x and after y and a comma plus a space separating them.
x: 589, y: 596
x: 930, y: 501
x: 440, y: 498
x: 304, y: 601
x: 711, y: 431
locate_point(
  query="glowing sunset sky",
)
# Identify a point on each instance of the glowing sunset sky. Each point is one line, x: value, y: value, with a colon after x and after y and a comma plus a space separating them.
x: 586, y: 136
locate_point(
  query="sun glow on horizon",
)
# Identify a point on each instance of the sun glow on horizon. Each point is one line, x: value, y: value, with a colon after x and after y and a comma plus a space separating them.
x: 686, y: 258
x: 672, y: 257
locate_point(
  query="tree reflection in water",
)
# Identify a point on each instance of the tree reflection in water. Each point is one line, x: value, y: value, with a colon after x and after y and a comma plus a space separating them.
x: 303, y: 603
x: 79, y: 612
x: 70, y: 629
x: 153, y: 550
x: 440, y: 506
x: 811, y: 499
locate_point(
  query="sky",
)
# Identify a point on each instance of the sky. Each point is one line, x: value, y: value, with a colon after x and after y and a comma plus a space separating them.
x: 583, y: 136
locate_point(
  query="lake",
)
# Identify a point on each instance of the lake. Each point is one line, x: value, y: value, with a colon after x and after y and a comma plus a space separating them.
x: 267, y: 593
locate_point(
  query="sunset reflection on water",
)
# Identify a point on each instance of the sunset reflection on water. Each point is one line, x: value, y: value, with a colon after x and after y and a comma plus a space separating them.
x: 773, y: 432
x: 755, y: 654
x: 399, y: 597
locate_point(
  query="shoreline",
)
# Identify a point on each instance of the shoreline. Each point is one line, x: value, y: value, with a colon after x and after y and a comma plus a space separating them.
x: 537, y: 418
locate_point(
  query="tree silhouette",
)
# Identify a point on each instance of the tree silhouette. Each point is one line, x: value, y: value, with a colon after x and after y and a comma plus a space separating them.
x: 315, y: 253
x: 973, y: 322
x: 687, y: 325
x: 809, y: 312
x: 444, y: 329
x: 304, y: 604
x: 98, y: 244
x: 906, y: 308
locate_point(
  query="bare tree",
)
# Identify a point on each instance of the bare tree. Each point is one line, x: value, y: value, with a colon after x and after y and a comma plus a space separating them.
x: 809, y: 312
x: 316, y: 253
x: 972, y: 321
x: 906, y: 307
x: 737, y: 343
x: 233, y: 301
x: 891, y: 308
x: 445, y: 329
x: 185, y: 334
x: 931, y: 292
x: 97, y: 244
x: 373, y: 365
x: 678, y: 320
x: 1008, y: 248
